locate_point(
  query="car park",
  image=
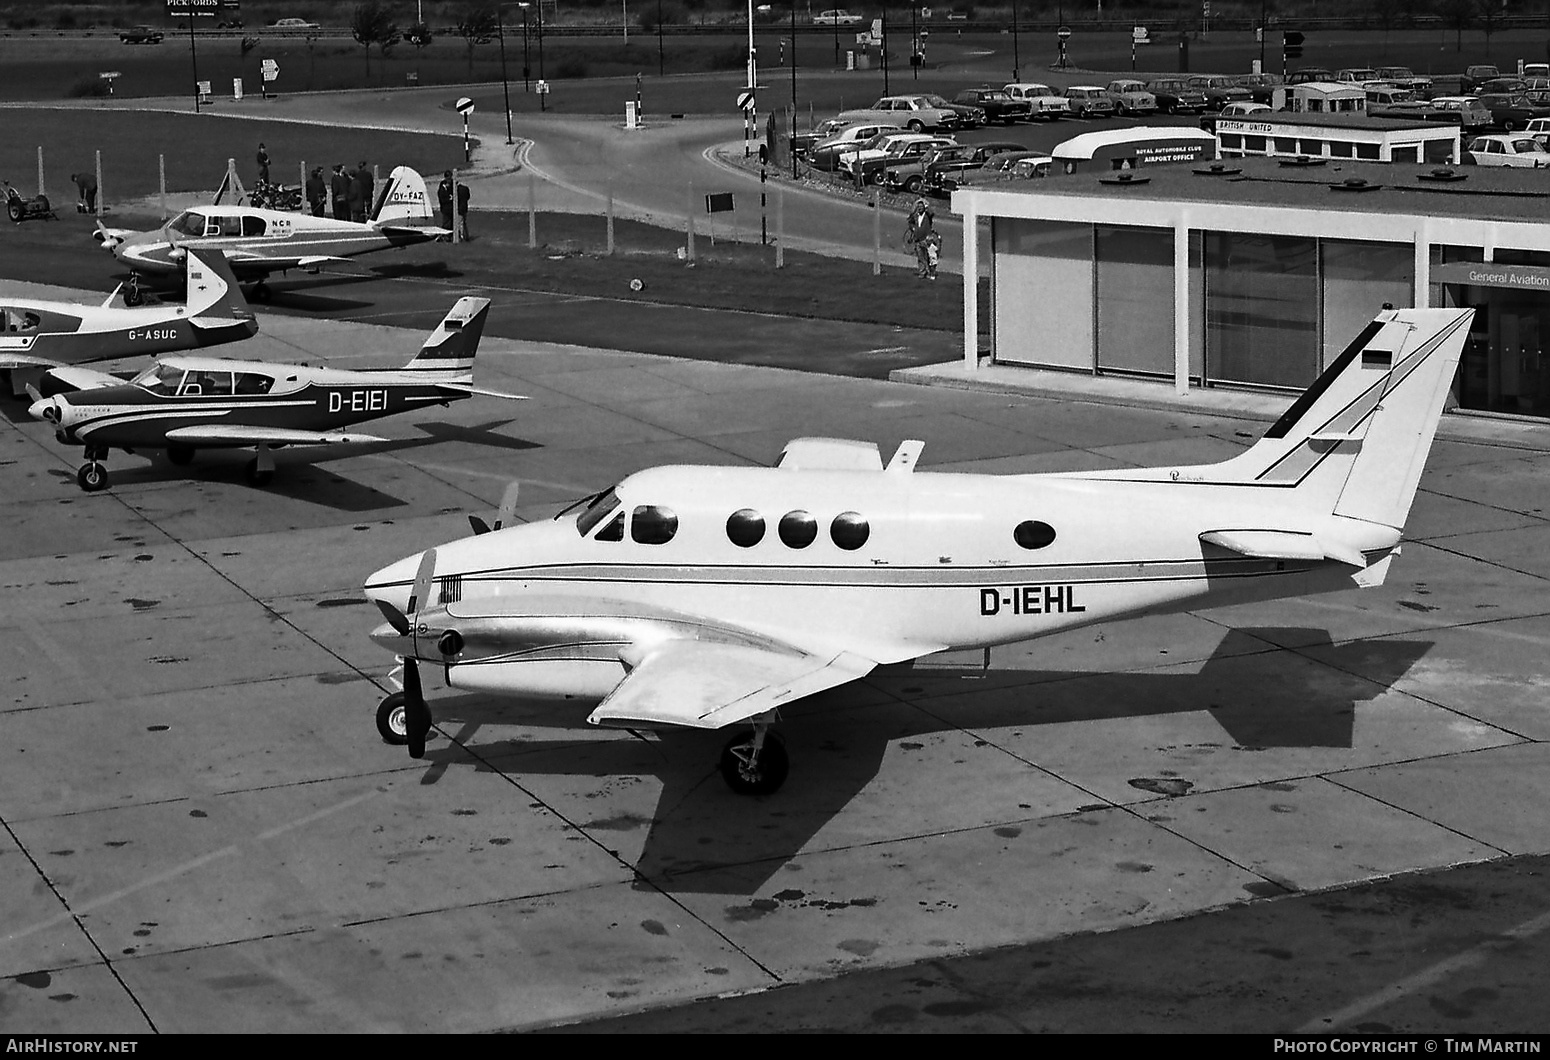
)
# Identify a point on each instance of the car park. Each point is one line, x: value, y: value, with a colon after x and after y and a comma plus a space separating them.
x: 833, y: 153
x: 1177, y: 96
x: 141, y: 35
x: 928, y: 173
x: 837, y: 17
x: 1220, y: 91
x: 1043, y: 101
x: 1505, y: 149
x: 871, y: 165
x: 997, y: 104
x: 1131, y: 97
x: 907, y: 112
x: 1089, y: 101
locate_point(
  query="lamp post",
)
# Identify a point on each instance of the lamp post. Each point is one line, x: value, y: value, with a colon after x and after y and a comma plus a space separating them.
x: 791, y: 134
x: 661, y: 61
x: 527, y: 63
x: 500, y: 27
x: 543, y: 97
x: 1016, y: 54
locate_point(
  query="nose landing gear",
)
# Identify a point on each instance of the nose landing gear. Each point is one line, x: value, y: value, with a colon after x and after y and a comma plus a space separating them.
x: 92, y: 476
x: 755, y: 763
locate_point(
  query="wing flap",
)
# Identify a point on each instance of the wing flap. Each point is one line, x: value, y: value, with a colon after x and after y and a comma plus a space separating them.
x: 236, y: 434
x: 701, y: 685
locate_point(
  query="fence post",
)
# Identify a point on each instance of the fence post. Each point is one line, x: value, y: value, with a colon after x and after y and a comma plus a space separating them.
x: 877, y: 235
x: 610, y: 219
x: 532, y: 214
x: 161, y: 182
x: 780, y: 227
x: 456, y: 227
x: 101, y: 199
x: 302, y: 206
x: 40, y: 169
x: 691, y: 222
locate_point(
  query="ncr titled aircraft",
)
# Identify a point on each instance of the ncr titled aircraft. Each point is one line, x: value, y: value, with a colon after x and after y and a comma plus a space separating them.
x: 183, y: 404
x: 39, y: 336
x: 259, y: 242
x: 708, y: 597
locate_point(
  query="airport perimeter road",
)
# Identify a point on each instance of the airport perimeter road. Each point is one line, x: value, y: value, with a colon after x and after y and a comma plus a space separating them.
x: 200, y: 829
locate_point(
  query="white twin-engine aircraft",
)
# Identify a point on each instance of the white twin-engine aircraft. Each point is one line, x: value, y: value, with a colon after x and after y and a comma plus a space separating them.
x: 704, y: 597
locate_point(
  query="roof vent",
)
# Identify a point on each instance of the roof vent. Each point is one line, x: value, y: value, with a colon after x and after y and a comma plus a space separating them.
x: 1302, y: 160
x: 1355, y: 184
x: 1124, y: 176
x: 1218, y: 169
x: 1443, y: 173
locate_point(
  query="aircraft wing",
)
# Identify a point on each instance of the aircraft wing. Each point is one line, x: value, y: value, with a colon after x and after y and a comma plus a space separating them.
x: 237, y: 434
x: 249, y: 261
x: 704, y: 685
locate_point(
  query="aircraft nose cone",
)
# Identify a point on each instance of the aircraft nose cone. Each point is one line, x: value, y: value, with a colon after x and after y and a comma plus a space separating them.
x: 44, y: 409
x: 389, y: 639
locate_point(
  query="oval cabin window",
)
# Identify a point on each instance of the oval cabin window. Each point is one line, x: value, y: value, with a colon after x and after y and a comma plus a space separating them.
x: 651, y: 524
x: 745, y: 528
x: 798, y: 529
x: 849, y: 530
x: 1033, y: 534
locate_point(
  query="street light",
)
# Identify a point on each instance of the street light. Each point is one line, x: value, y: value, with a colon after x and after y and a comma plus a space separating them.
x: 1016, y: 56
x: 500, y: 26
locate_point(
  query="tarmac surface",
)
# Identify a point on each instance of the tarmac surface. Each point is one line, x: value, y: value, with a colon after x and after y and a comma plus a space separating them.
x: 202, y: 830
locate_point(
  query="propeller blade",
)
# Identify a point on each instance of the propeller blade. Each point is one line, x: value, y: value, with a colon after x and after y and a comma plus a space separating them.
x: 417, y: 716
x: 422, y: 581
x: 508, y: 509
x: 395, y: 617
x: 479, y: 525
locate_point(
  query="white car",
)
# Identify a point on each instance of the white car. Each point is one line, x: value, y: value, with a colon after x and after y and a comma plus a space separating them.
x: 837, y: 17
x: 295, y: 23
x: 1508, y: 149
x: 1045, y: 101
x: 1238, y: 110
x: 1539, y: 129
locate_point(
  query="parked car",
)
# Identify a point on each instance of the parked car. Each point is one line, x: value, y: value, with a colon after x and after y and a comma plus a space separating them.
x: 996, y: 168
x: 1044, y: 101
x: 1479, y: 74
x: 1504, y: 149
x: 1233, y: 110
x: 1089, y: 101
x: 1131, y: 97
x: 1220, y: 91
x: 997, y: 104
x: 1512, y: 110
x: 833, y: 153
x: 1404, y: 77
x: 871, y: 165
x: 907, y: 112
x: 803, y: 142
x: 928, y: 174
x: 837, y: 17
x: 141, y: 35
x: 969, y: 115
x: 1310, y: 73
x: 1539, y: 129
x: 1177, y: 96
x: 1387, y: 96
x: 1465, y: 111
x: 1261, y: 87
x: 295, y: 23
x: 1359, y: 75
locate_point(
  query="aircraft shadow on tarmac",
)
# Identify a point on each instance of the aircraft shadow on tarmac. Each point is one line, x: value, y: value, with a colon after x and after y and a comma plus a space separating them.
x: 299, y: 475
x: 704, y: 839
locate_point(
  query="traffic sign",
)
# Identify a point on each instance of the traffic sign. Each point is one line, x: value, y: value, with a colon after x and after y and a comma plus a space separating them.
x: 542, y: 88
x: 1064, y: 33
x: 1138, y: 34
x: 1291, y: 45
x: 271, y: 69
x: 745, y: 99
x: 465, y: 106
x: 108, y: 75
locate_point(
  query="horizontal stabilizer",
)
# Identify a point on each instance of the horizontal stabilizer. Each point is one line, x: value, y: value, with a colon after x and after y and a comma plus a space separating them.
x: 830, y: 454
x: 1291, y: 544
x: 234, y: 434
x: 462, y: 388
x: 703, y: 685
x: 430, y: 233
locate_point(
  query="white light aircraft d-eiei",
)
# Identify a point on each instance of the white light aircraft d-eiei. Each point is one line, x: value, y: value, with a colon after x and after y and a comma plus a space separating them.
x: 709, y: 597
x: 260, y: 241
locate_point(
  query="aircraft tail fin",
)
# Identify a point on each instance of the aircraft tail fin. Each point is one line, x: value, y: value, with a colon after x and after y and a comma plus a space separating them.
x: 1355, y: 442
x: 212, y: 287
x: 402, y: 199
x: 449, y: 352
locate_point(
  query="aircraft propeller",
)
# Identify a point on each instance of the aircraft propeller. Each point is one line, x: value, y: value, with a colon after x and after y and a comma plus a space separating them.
x: 503, y: 515
x: 417, y: 716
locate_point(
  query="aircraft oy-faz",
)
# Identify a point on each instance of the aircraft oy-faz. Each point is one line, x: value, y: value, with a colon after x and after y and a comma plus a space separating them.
x: 259, y: 242
x: 707, y: 597
x: 39, y: 339
x: 182, y: 404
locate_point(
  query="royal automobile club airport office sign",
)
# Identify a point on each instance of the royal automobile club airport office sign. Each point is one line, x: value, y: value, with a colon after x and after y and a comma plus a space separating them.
x: 1478, y: 274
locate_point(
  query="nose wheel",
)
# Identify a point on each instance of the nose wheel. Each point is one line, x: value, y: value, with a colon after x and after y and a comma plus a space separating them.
x: 391, y: 721
x: 92, y: 477
x: 755, y: 763
x: 133, y: 296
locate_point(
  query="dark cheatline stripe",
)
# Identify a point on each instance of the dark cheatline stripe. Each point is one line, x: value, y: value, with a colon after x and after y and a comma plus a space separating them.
x: 1289, y: 419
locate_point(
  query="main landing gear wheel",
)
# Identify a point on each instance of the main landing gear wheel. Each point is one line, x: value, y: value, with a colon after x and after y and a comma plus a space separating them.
x: 181, y: 455
x: 755, y: 763
x: 133, y: 296
x: 260, y: 293
x: 92, y: 477
x: 391, y: 721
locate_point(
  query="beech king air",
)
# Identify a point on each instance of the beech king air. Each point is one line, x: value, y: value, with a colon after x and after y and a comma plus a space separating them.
x: 707, y: 597
x: 259, y: 242
x: 182, y: 404
x: 36, y: 336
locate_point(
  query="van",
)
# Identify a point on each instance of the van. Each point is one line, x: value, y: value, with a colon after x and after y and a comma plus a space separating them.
x: 1124, y: 149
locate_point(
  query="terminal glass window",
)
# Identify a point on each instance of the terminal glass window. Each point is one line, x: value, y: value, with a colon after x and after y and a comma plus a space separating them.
x: 1262, y: 306
x: 1134, y: 299
x: 1506, y: 363
x: 1033, y: 259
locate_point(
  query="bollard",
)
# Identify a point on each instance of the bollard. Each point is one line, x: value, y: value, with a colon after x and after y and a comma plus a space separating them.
x: 690, y: 215
x: 301, y: 207
x: 456, y: 227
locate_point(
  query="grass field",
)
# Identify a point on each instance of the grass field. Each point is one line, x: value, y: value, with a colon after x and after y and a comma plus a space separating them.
x: 196, y: 149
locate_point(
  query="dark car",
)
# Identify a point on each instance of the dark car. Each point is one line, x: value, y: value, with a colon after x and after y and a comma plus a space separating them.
x: 141, y: 35
x: 1512, y: 110
x: 1262, y: 87
x: 946, y: 163
x: 1177, y: 96
x: 1310, y: 73
x: 1006, y: 166
x: 1221, y: 91
x: 970, y: 115
x: 997, y: 104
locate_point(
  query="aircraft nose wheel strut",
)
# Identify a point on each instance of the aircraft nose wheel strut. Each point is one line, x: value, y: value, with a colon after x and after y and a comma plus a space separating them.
x: 755, y: 763
x: 133, y: 296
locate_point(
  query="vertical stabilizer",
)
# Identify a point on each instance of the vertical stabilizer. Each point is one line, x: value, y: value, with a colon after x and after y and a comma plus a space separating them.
x: 449, y: 352
x: 212, y: 288
x: 403, y: 199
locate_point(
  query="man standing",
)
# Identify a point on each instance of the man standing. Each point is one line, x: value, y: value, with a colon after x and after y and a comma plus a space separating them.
x: 263, y: 163
x: 444, y: 198
x: 920, y: 236
x: 462, y: 210
x: 317, y: 192
x: 363, y: 186
x: 339, y: 185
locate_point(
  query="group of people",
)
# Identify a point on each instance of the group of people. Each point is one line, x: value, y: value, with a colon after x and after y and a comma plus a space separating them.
x: 349, y: 191
x: 921, y: 236
x: 444, y: 197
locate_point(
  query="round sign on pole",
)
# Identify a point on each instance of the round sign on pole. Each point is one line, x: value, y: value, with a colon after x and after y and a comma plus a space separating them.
x: 745, y: 99
x: 465, y: 106
x: 1064, y: 33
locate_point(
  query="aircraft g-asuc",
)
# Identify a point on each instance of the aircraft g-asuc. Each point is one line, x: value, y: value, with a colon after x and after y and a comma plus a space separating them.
x: 39, y: 338
x: 260, y: 241
x: 708, y: 597
x: 183, y: 404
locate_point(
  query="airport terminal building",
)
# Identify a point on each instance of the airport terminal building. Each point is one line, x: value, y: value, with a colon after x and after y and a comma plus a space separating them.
x: 1256, y: 272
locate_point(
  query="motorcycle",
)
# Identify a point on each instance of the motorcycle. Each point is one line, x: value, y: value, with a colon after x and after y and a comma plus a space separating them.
x: 267, y: 196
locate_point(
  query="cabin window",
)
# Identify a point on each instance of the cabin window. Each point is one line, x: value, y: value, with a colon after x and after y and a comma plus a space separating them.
x: 225, y: 225
x: 159, y: 379
x: 798, y: 529
x: 745, y: 528
x: 207, y: 383
x: 653, y: 525
x: 253, y: 226
x: 1033, y: 534
x: 614, y: 531
x: 187, y: 223
x: 253, y: 383
x: 597, y: 509
x: 849, y: 530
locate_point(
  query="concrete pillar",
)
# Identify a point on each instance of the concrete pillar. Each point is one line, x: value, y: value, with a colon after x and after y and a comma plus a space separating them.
x: 971, y: 301
x: 1423, y: 268
x: 1181, y: 304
